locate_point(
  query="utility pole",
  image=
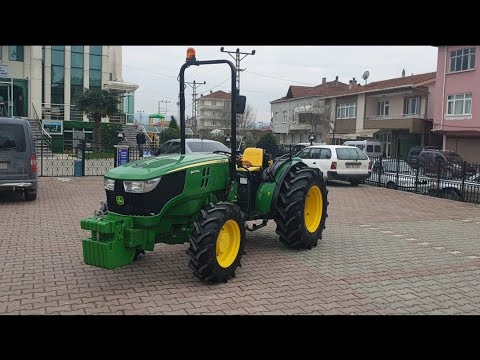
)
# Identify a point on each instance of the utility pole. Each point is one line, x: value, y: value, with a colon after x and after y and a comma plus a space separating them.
x: 194, y: 86
x: 238, y: 57
x: 166, y: 102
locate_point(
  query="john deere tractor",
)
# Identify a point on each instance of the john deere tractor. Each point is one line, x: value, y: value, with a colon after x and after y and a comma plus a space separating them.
x: 205, y: 200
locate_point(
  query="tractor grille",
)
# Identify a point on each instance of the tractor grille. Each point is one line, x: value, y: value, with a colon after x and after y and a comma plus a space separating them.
x: 150, y: 203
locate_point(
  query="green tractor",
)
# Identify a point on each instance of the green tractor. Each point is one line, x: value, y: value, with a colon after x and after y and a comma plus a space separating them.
x: 205, y: 200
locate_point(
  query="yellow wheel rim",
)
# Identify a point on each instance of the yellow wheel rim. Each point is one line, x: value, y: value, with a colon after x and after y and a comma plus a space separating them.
x: 313, y: 209
x: 228, y: 243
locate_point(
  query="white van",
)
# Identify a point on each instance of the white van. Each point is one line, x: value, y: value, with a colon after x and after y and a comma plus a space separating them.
x: 372, y: 148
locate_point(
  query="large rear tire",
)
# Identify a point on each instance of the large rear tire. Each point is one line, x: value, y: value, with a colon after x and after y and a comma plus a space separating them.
x: 217, y: 243
x: 301, y: 207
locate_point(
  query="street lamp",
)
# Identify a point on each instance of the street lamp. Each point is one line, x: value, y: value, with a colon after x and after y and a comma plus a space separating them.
x: 312, y: 138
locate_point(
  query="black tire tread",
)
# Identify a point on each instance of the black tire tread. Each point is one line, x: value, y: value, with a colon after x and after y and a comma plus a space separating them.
x: 202, y: 250
x: 289, y: 215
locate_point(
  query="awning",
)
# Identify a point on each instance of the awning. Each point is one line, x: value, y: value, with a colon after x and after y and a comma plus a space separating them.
x: 365, y: 133
x: 121, y: 86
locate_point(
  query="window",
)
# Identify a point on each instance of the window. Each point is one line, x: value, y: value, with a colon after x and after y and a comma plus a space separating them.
x: 378, y: 148
x: 15, y: 53
x: 412, y: 106
x: 58, y: 75
x: 315, y: 153
x: 77, y: 49
x: 369, y: 148
x: 95, y: 80
x: 77, y: 60
x: 58, y: 57
x: 350, y: 153
x: 325, y: 154
x: 293, y: 119
x: 276, y: 117
x: 214, y: 103
x: 346, y: 111
x: 382, y: 108
x: 284, y: 116
x: 212, y: 123
x: 96, y: 50
x: 463, y: 59
x: 304, y: 154
x: 459, y: 104
x: 386, y: 140
x: 76, y: 82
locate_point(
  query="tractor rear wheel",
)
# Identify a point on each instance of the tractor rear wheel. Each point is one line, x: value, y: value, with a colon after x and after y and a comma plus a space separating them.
x: 217, y: 243
x: 301, y: 208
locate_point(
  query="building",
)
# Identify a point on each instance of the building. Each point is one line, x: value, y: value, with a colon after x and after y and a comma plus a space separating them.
x: 213, y: 112
x: 290, y: 120
x: 398, y: 112
x: 457, y: 100
x: 43, y: 82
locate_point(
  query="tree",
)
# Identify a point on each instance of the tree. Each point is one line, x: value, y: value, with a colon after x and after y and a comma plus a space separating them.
x: 97, y: 104
x: 247, y: 119
x: 269, y: 143
x: 173, y: 123
x: 317, y: 113
x: 169, y: 134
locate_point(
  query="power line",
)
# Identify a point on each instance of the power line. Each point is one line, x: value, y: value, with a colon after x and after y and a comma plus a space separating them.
x: 277, y: 78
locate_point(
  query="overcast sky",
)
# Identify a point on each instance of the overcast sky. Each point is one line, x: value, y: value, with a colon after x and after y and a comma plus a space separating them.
x: 268, y: 73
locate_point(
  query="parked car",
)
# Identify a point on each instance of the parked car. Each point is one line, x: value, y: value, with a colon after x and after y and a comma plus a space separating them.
x: 390, y: 165
x: 402, y: 181
x: 18, y: 160
x: 415, y: 151
x: 338, y: 162
x: 370, y: 147
x: 191, y: 146
x: 452, y: 189
x: 448, y: 163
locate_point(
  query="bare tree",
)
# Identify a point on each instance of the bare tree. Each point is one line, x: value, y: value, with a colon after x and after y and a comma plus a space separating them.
x: 247, y: 119
x: 318, y: 114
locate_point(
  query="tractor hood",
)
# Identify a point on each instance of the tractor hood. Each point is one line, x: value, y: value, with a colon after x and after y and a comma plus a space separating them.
x: 161, y: 165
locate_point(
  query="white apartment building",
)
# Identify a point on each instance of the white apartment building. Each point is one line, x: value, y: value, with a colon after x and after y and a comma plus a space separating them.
x: 43, y: 82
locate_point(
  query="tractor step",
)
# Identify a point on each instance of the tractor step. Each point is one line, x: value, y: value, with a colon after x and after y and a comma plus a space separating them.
x: 257, y: 226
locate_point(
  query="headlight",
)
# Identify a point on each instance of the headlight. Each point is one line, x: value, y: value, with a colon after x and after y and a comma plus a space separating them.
x: 109, y: 184
x: 140, y: 186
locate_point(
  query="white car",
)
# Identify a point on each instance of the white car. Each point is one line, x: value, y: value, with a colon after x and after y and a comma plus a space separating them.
x: 338, y: 162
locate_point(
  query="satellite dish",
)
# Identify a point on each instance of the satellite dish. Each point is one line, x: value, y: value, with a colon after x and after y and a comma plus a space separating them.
x: 365, y: 76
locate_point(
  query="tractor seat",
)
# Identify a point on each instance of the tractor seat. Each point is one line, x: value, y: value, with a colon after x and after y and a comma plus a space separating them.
x: 253, y: 158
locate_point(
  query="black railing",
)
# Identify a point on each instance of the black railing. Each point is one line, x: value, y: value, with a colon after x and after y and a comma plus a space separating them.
x: 452, y: 180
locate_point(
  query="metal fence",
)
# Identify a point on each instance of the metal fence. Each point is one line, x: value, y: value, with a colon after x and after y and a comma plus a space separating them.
x: 452, y: 180
x: 81, y: 159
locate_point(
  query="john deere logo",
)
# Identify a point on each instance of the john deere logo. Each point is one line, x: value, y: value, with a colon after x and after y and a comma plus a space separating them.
x: 120, y: 200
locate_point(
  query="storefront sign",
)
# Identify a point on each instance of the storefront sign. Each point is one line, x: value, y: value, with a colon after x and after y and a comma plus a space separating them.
x: 3, y: 70
x: 53, y: 127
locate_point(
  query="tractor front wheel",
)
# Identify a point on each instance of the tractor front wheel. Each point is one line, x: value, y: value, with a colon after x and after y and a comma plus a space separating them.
x: 217, y: 243
x: 301, y: 208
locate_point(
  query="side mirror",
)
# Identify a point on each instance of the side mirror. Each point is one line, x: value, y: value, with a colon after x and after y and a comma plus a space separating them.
x: 240, y: 102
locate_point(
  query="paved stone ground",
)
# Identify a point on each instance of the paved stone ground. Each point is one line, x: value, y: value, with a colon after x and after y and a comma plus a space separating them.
x: 383, y: 252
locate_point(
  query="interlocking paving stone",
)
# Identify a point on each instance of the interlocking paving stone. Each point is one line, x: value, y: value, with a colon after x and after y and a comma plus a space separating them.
x: 401, y: 254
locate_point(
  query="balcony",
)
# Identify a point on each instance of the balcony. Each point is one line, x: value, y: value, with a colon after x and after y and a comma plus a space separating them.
x: 394, y: 117
x: 412, y: 122
x: 68, y: 112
